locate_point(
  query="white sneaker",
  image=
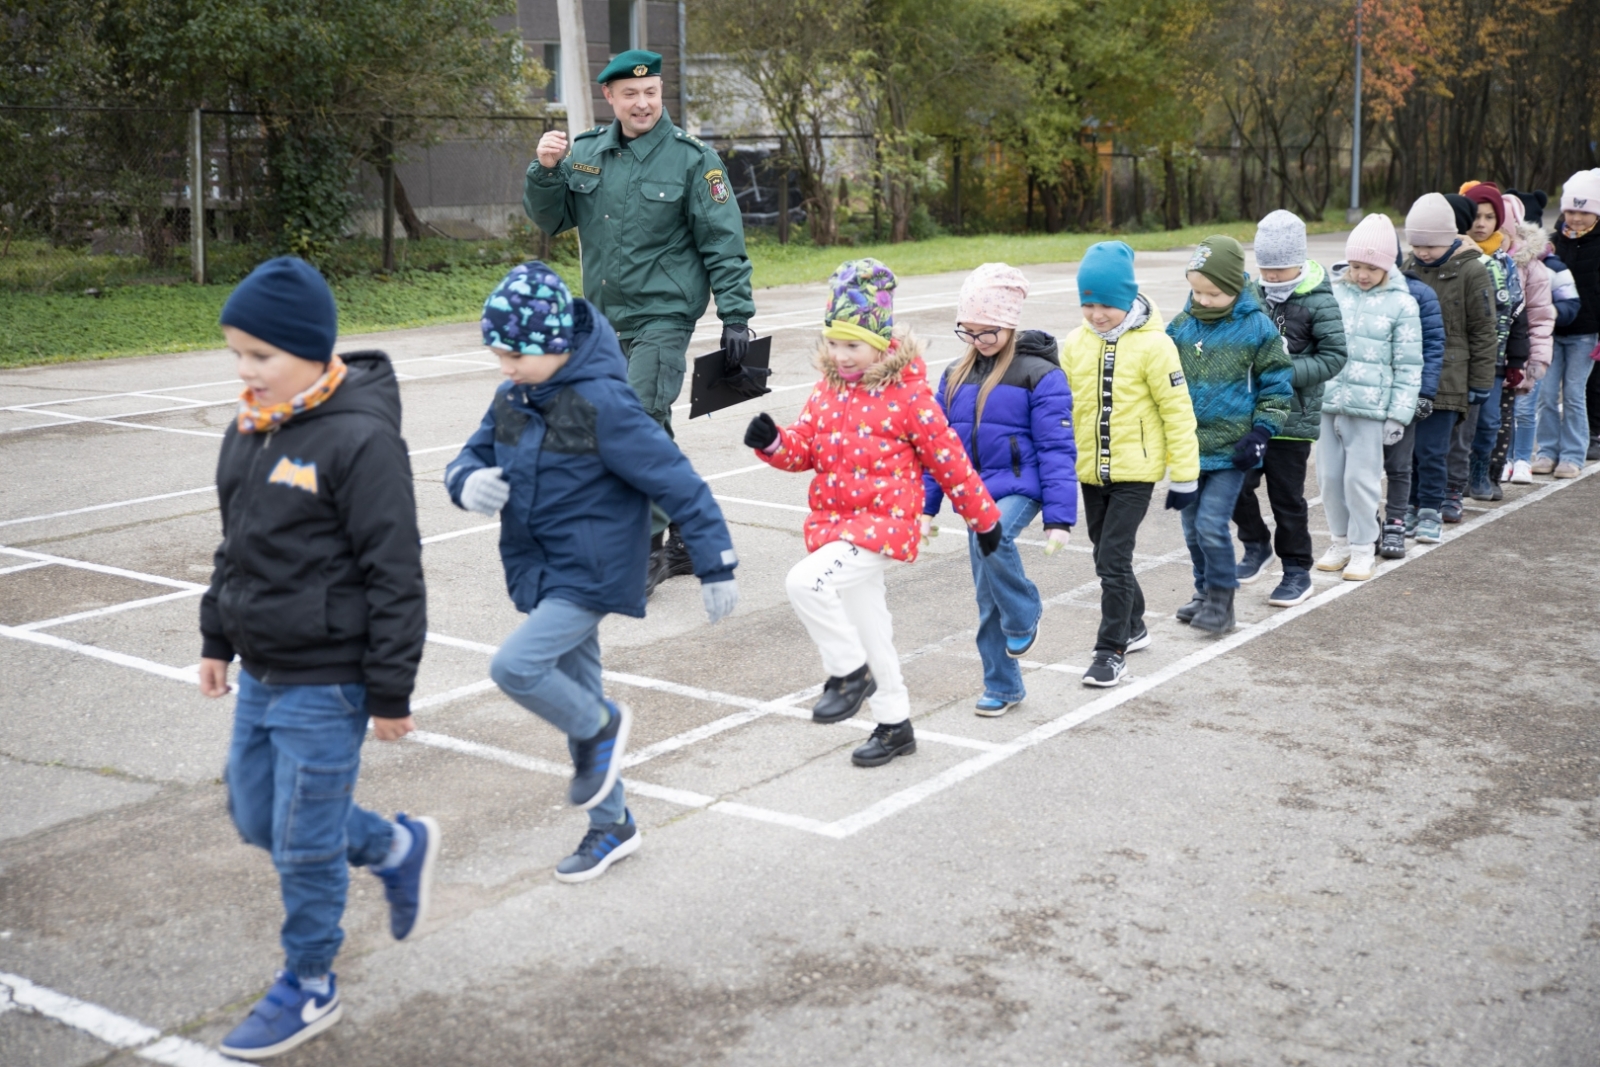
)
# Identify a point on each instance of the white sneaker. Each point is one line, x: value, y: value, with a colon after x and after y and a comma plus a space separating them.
x: 1336, y: 557
x: 1521, y: 473
x: 1361, y: 564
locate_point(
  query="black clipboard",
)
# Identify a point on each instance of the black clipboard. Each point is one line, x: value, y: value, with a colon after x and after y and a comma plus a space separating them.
x: 707, y: 393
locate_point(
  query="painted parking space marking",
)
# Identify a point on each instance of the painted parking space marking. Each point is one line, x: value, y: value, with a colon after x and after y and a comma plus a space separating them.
x: 115, y: 1030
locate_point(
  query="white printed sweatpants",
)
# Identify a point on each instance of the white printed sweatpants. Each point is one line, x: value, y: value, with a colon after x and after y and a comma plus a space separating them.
x: 838, y: 593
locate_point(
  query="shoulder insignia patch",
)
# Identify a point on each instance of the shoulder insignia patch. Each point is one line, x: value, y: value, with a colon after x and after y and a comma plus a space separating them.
x: 691, y: 138
x: 718, y: 186
x: 295, y: 474
x: 593, y: 132
x: 1176, y: 378
x: 585, y: 168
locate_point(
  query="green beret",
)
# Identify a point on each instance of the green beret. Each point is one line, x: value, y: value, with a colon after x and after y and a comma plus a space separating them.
x: 634, y: 63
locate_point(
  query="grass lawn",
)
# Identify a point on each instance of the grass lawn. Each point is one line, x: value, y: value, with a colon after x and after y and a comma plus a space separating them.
x: 138, y: 319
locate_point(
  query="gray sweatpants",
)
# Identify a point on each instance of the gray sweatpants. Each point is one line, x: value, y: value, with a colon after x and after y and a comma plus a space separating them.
x: 1350, y: 474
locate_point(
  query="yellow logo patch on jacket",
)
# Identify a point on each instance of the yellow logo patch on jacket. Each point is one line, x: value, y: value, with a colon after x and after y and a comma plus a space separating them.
x: 295, y: 474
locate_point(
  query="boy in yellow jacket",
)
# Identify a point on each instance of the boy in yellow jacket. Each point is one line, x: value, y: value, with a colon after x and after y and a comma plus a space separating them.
x: 1134, y: 421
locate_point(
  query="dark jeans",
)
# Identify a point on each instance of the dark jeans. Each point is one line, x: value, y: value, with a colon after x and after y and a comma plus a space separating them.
x: 1397, y: 461
x: 1284, y: 468
x: 1428, y: 474
x: 1113, y: 513
x: 1460, y: 451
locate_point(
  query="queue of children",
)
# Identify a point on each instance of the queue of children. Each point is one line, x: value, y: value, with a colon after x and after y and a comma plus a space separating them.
x: 1382, y: 365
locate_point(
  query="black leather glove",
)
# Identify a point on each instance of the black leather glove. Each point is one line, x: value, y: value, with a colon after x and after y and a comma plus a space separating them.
x: 1424, y: 407
x: 735, y: 346
x: 748, y: 382
x: 761, y: 432
x: 989, y: 540
x: 1251, y: 447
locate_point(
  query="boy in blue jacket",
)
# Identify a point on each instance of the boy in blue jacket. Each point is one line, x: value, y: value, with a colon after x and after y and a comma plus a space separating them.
x: 570, y: 460
x: 1399, y: 514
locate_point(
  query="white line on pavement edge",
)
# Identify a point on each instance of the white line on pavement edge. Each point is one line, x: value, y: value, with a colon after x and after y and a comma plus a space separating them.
x: 106, y: 1025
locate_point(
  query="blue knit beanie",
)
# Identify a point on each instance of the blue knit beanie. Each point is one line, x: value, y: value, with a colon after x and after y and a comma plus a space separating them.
x: 1106, y: 276
x: 286, y: 303
x: 529, y: 312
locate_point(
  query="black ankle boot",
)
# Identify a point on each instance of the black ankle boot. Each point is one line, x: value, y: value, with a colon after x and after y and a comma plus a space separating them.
x: 842, y: 697
x: 888, y: 740
x: 678, y: 564
x: 1216, y: 614
x: 1192, y: 608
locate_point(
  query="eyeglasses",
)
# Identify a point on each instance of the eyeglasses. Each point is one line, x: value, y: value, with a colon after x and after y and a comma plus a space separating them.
x: 987, y: 337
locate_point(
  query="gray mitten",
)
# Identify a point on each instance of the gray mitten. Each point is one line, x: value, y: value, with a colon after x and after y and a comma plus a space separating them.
x: 485, y: 491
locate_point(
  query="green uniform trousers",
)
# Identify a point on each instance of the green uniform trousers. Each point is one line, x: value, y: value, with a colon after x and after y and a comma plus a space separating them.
x: 656, y: 362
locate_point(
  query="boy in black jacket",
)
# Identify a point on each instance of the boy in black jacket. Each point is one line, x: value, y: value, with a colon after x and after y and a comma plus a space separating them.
x: 318, y: 589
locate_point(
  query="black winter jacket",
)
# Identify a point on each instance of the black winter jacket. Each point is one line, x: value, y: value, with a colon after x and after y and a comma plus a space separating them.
x: 1582, y: 257
x: 318, y: 579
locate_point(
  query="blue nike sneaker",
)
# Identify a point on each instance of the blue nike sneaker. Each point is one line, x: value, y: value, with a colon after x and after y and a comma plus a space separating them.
x: 1017, y: 647
x: 407, y: 885
x: 600, y: 848
x: 597, y: 762
x: 286, y: 1017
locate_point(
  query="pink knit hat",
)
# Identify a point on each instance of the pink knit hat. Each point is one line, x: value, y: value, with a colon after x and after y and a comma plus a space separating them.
x: 992, y: 295
x: 1373, y: 241
x: 1516, y: 214
x: 1582, y: 192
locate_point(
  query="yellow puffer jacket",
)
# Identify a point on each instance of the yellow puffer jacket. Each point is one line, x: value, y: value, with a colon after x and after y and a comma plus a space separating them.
x: 1151, y: 423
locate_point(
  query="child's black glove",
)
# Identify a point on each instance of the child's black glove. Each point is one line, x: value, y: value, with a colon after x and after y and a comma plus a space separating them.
x: 1181, y: 494
x: 989, y: 540
x: 761, y: 432
x: 1251, y: 447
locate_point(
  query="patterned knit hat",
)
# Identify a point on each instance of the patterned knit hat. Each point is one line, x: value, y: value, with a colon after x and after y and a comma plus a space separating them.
x: 1280, y: 241
x: 1220, y: 258
x: 862, y: 305
x: 992, y: 295
x: 529, y: 312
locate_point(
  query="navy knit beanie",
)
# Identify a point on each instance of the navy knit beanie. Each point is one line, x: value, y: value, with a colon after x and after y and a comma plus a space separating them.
x: 1106, y: 276
x: 286, y: 303
x: 1466, y: 211
x: 529, y: 312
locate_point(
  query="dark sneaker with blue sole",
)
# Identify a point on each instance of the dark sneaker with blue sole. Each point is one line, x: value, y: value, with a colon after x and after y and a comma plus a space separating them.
x: 600, y: 848
x: 597, y: 762
x: 286, y: 1017
x: 408, y: 885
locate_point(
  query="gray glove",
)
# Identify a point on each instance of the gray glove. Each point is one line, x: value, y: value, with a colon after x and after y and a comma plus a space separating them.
x: 485, y: 492
x: 720, y: 598
x: 1393, y: 430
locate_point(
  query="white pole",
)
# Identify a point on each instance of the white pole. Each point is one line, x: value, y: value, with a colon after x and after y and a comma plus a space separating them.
x: 1354, y: 214
x: 575, y: 66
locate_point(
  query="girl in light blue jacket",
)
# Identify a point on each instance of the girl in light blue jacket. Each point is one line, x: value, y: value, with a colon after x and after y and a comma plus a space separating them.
x: 1369, y: 403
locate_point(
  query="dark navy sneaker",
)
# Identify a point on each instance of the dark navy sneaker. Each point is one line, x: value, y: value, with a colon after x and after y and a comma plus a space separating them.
x: 1257, y: 555
x: 1106, y: 670
x: 1139, y: 640
x: 407, y: 885
x: 286, y: 1017
x: 1294, y: 589
x: 1452, y: 509
x: 600, y: 848
x: 597, y: 762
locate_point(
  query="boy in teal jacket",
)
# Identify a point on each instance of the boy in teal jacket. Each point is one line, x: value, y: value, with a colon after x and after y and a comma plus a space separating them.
x: 1239, y: 380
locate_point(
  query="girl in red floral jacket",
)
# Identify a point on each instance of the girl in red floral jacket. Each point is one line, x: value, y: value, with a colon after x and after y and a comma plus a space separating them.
x: 868, y: 430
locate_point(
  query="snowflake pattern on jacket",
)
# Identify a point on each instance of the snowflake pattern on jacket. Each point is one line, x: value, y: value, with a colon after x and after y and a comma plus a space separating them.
x: 869, y: 442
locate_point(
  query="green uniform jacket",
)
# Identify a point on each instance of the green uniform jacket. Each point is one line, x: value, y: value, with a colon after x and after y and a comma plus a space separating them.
x: 1466, y: 298
x: 659, y: 224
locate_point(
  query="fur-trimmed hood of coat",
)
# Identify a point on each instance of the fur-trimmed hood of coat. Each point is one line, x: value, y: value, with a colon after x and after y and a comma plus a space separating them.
x: 1529, y: 243
x: 904, y: 350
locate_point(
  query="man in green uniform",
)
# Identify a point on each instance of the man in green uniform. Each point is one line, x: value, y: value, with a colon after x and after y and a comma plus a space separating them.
x: 661, y: 232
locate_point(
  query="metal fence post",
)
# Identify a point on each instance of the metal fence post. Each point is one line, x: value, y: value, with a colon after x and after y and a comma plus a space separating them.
x: 197, y: 197
x: 955, y: 182
x: 388, y: 196
x: 783, y: 194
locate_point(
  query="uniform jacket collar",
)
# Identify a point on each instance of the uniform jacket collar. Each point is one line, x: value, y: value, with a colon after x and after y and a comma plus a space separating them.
x: 642, y: 145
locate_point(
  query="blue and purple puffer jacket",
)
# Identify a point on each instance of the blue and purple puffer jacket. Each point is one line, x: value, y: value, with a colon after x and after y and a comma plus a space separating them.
x: 1024, y: 445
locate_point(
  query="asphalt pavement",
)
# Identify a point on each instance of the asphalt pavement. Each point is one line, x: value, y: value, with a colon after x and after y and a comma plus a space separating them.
x: 1360, y: 831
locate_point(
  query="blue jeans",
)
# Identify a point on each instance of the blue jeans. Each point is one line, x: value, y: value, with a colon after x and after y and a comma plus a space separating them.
x: 1563, y: 429
x: 1008, y: 603
x: 1430, y: 473
x: 291, y: 782
x: 551, y: 666
x: 1207, y: 532
x: 1522, y: 439
x: 1488, y: 431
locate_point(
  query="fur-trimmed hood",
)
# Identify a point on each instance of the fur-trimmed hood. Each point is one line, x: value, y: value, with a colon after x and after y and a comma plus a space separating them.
x: 1529, y: 243
x: 902, y: 363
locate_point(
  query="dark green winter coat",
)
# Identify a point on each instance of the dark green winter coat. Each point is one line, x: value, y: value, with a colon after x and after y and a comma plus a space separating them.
x: 1313, y: 335
x: 660, y: 227
x: 1466, y: 300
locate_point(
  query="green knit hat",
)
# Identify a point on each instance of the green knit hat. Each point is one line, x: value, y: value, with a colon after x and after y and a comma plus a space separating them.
x: 1221, y: 259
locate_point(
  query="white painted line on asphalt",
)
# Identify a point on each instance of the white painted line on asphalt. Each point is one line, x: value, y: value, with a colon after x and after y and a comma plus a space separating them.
x: 187, y: 675
x: 25, y: 567
x: 451, y: 534
x: 73, y: 420
x: 116, y: 1030
x: 760, y: 503
x: 100, y: 568
x: 449, y: 696
x: 777, y: 818
x: 111, y: 609
x: 461, y: 642
x: 736, y: 470
x: 107, y: 507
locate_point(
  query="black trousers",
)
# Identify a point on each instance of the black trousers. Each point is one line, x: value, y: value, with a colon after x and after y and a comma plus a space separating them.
x: 1113, y: 514
x: 1398, y: 460
x: 1284, y: 468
